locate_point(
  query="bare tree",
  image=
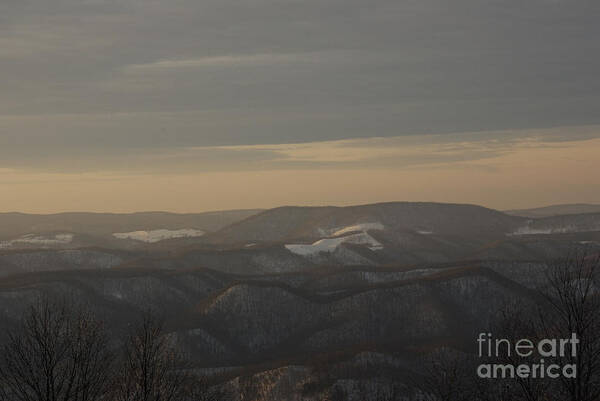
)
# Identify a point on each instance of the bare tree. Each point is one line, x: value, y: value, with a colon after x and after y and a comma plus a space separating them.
x: 516, y: 321
x: 568, y: 303
x: 573, y: 307
x: 58, y: 355
x: 151, y: 368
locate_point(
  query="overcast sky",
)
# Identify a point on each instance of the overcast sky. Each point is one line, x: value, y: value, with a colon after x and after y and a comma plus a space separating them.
x: 198, y: 86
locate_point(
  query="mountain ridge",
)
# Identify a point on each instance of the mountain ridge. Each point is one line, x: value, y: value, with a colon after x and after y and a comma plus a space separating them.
x: 16, y: 223
x: 302, y: 222
x: 556, y: 210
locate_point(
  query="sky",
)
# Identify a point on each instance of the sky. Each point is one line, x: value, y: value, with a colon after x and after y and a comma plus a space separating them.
x: 187, y: 105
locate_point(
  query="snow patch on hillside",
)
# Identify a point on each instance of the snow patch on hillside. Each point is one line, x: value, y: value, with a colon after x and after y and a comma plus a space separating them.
x: 575, y: 224
x: 364, y: 227
x: 535, y: 231
x: 544, y: 231
x: 159, y: 235
x: 331, y: 244
x: 42, y: 241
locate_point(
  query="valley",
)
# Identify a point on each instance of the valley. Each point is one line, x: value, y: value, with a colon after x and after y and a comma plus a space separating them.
x: 276, y: 297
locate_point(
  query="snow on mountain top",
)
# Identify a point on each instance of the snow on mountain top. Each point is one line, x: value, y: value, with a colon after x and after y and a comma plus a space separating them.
x: 331, y: 244
x: 159, y: 235
x: 38, y: 240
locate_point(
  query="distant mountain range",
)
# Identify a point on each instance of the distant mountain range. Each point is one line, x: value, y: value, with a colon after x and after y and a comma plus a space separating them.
x: 290, y: 238
x: 556, y: 210
x: 288, y: 222
x: 17, y: 224
x: 252, y: 294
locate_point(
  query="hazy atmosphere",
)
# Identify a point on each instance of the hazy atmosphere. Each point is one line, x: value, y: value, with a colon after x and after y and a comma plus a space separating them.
x: 124, y: 105
x: 299, y: 200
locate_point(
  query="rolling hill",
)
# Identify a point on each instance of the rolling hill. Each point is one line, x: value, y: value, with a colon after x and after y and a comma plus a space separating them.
x: 295, y: 223
x: 556, y: 210
x: 17, y: 224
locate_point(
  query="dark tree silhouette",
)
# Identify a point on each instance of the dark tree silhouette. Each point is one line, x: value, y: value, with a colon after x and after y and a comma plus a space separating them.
x: 59, y: 354
x: 151, y: 368
x: 567, y: 303
x: 573, y: 306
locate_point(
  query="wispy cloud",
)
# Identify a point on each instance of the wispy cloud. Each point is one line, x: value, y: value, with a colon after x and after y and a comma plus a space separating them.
x: 400, y: 153
x: 516, y: 175
x: 413, y: 151
x: 224, y: 61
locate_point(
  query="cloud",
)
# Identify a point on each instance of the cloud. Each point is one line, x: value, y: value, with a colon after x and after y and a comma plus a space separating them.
x: 430, y: 151
x: 119, y: 76
x: 221, y: 62
x: 526, y: 175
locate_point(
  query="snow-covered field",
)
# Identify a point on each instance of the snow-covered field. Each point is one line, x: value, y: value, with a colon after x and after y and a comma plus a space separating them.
x: 354, y: 234
x: 41, y: 241
x: 331, y: 244
x: 159, y: 235
x: 538, y: 231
